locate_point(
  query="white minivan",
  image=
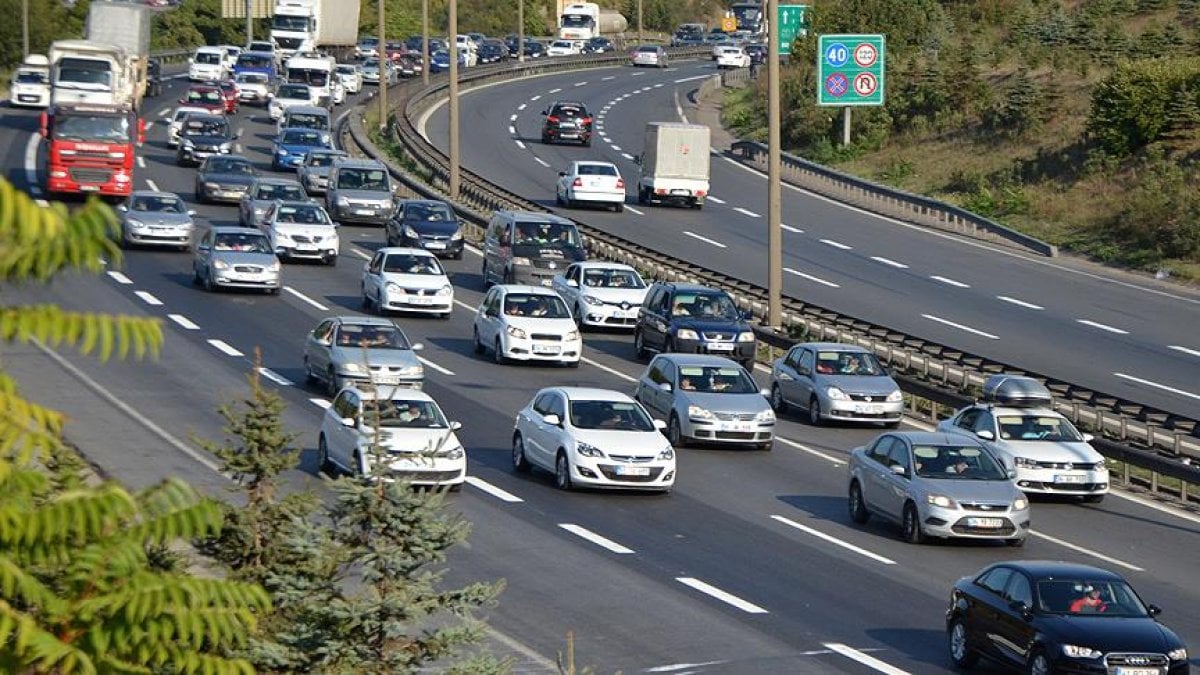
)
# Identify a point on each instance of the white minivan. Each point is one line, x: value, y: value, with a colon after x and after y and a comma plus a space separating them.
x: 207, y: 63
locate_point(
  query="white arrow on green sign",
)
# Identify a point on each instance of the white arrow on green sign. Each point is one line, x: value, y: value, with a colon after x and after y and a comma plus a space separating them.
x: 790, y: 21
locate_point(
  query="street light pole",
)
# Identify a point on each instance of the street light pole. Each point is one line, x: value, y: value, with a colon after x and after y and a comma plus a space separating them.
x: 25, y: 27
x: 383, y: 70
x: 641, y: 39
x: 521, y: 31
x: 774, y: 199
x: 452, y: 19
x: 249, y: 24
x: 424, y: 41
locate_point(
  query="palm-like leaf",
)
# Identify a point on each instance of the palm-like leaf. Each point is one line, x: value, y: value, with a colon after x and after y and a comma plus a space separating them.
x: 92, y: 333
x: 37, y: 242
x: 25, y: 428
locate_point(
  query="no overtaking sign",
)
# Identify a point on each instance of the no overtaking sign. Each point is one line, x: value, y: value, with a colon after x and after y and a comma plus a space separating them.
x: 850, y: 70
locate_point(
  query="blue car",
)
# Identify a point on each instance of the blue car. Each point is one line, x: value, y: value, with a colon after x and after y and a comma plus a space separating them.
x: 256, y: 62
x: 439, y: 62
x: 293, y: 143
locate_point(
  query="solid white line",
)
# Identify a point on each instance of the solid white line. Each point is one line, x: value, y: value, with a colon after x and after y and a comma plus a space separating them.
x: 305, y: 298
x: 833, y: 540
x: 119, y: 278
x: 31, y: 154
x: 141, y: 162
x: 555, y: 91
x: 148, y: 298
x: 746, y: 212
x: 805, y: 448
x: 1156, y: 385
x: 1086, y: 551
x: 521, y: 107
x: 630, y: 208
x: 810, y: 277
x: 836, y: 244
x: 152, y: 185
x: 721, y: 595
x: 541, y: 161
x: 959, y: 326
x: 580, y: 84
x: 715, y: 200
x: 1169, y: 510
x: 183, y: 321
x: 607, y: 369
x: 320, y: 403
x: 512, y: 118
x: 789, y: 228
x: 512, y: 129
x: 695, y: 77
x: 274, y: 377
x: 866, y: 660
x: 627, y: 156
x: 441, y: 369
x: 499, y: 493
x: 706, y: 240
x: 892, y: 263
x: 520, y: 145
x: 465, y: 306
x: 1019, y: 303
x: 596, y: 539
x: 221, y: 345
x: 1101, y: 326
x: 952, y: 282
x: 610, y: 77
x: 1185, y: 350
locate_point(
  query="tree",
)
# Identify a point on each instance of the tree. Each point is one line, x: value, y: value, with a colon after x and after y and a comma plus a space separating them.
x: 81, y: 587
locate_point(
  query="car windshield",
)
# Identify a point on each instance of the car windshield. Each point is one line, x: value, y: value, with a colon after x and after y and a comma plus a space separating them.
x: 612, y: 278
x: 717, y: 306
x: 648, y: 50
x: 301, y: 137
x: 345, y: 70
x: 194, y: 127
x: 1037, y: 428
x: 363, y: 179
x: 272, y: 191
x: 428, y: 212
x: 403, y: 414
x: 158, y: 203
x: 1109, y: 598
x: 91, y: 127
x: 956, y: 462
x: 31, y: 77
x: 596, y: 170
x: 294, y: 91
x: 716, y: 380
x: 410, y: 263
x: 542, y: 306
x: 251, y: 78
x: 320, y: 159
x: 245, y: 243
x: 302, y: 213
x: 371, y: 336
x: 229, y: 166
x: 551, y: 235
x: 307, y: 121
x: 207, y: 58
x: 371, y: 64
x: 614, y: 415
x: 255, y: 61
x: 848, y: 363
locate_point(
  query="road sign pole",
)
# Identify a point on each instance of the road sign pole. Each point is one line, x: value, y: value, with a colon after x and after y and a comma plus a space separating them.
x: 774, y: 318
x: 249, y: 24
x: 846, y: 126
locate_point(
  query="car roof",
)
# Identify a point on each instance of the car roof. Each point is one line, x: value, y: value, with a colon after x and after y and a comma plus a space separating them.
x: 835, y: 347
x: 192, y: 110
x: 604, y: 265
x: 359, y: 320
x: 1018, y: 410
x: 328, y: 151
x: 359, y: 163
x: 235, y: 229
x: 534, y: 217
x: 525, y: 288
x: 393, y: 393
x: 1062, y: 569
x: 688, y: 286
x: 934, y: 438
x: 307, y: 110
x: 410, y: 250
x: 276, y: 180
x: 682, y: 359
x: 236, y: 158
x: 593, y: 162
x: 429, y: 202
x: 591, y: 394
x: 297, y: 203
x: 305, y: 129
x: 153, y: 193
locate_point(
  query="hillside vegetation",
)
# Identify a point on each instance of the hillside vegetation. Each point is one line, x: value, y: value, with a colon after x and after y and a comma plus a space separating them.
x: 1077, y: 121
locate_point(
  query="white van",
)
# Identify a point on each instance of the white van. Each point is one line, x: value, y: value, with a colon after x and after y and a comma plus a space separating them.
x: 207, y: 63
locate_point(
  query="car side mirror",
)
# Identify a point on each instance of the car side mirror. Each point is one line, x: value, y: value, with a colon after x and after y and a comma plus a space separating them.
x: 546, y: 111
x: 747, y: 315
x: 203, y: 248
x: 986, y: 435
x: 1012, y: 473
x: 1088, y: 438
x: 552, y: 419
x: 899, y: 470
x: 765, y: 392
x: 1021, y: 608
x: 122, y: 208
x: 1153, y: 610
x: 664, y: 386
x: 348, y: 422
x: 418, y: 346
x: 491, y: 311
x: 803, y: 370
x: 561, y: 174
x: 572, y: 283
x: 191, y: 212
x: 660, y: 425
x: 455, y: 426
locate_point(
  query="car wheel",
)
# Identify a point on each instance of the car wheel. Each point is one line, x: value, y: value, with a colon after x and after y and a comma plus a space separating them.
x: 309, y: 376
x: 892, y: 425
x: 639, y: 347
x: 765, y: 447
x: 675, y: 433
x: 520, y: 463
x: 1039, y: 664
x: 618, y: 207
x: 911, y: 525
x: 208, y: 281
x: 777, y: 403
x: 483, y: 274
x: 360, y: 467
x: 587, y: 143
x: 748, y: 364
x: 814, y: 412
x: 858, y: 510
x: 961, y: 654
x: 642, y: 196
x: 196, y: 280
x: 366, y: 299
x: 331, y: 383
x: 558, y: 200
x: 1093, y: 499
x: 478, y: 344
x: 323, y: 463
x: 331, y: 261
x: 562, y: 471
x: 498, y: 353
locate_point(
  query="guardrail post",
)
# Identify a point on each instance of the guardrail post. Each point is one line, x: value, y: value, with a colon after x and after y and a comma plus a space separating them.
x: 1154, y: 481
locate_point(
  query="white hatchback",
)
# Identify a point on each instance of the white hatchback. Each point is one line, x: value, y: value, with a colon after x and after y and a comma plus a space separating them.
x: 732, y: 57
x: 526, y: 323
x: 601, y: 294
x: 407, y: 280
x: 562, y: 48
x: 591, y: 182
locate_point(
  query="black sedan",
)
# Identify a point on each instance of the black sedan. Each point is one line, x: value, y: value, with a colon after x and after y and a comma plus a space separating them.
x: 429, y: 224
x: 224, y: 178
x: 1056, y: 617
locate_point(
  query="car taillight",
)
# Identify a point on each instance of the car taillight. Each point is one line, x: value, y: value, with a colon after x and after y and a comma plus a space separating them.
x: 586, y: 120
x: 621, y: 183
x: 552, y: 118
x: 578, y: 182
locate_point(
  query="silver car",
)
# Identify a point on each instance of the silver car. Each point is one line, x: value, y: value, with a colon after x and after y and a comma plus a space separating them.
x: 264, y: 192
x: 649, y: 55
x: 936, y: 485
x: 235, y: 257
x: 313, y: 174
x: 346, y: 349
x: 707, y: 399
x: 152, y: 218
x: 833, y: 381
x: 360, y: 191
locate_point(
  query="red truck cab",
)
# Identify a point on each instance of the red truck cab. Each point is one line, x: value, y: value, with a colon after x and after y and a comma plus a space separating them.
x: 90, y: 148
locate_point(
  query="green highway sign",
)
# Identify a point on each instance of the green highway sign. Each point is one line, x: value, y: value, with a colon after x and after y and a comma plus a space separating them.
x: 790, y: 21
x: 850, y: 70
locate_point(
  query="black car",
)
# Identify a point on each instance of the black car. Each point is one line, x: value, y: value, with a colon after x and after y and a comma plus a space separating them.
x: 598, y: 45
x: 426, y: 223
x: 1057, y: 617
x: 567, y: 121
x: 757, y: 54
x: 679, y: 317
x: 534, y: 49
x: 492, y: 52
x: 224, y: 178
x: 201, y: 136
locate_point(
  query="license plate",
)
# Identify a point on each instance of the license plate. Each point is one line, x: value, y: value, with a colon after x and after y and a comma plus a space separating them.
x: 985, y: 522
x: 229, y: 194
x: 721, y: 347
x: 566, y: 125
x: 436, y: 244
x: 420, y: 300
x: 625, y: 314
x: 386, y: 379
x: 1121, y: 670
x: 868, y: 409
x: 364, y: 212
x: 545, y: 349
x: 1070, y: 478
x: 632, y: 470
x: 547, y: 282
x: 681, y: 192
x: 737, y: 426
x: 307, y: 248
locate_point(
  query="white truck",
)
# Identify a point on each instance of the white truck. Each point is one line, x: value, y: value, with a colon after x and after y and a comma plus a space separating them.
x: 582, y: 21
x: 31, y: 83
x: 312, y: 25
x: 318, y: 73
x: 82, y: 71
x: 674, y: 164
x: 127, y: 26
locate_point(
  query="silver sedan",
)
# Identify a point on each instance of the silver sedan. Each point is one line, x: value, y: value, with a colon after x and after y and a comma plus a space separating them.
x: 345, y: 350
x: 152, y: 218
x: 835, y: 382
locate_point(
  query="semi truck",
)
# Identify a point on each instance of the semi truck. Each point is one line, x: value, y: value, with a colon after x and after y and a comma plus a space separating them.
x: 750, y: 17
x: 585, y: 20
x: 90, y: 147
x: 674, y: 164
x: 315, y: 25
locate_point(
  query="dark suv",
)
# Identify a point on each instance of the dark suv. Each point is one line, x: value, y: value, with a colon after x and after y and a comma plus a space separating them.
x: 567, y: 121
x: 677, y: 317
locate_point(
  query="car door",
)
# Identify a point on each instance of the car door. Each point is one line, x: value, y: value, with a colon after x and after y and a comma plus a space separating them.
x: 201, y: 254
x: 897, y: 484
x: 318, y: 345
x: 656, y: 326
x: 803, y: 386
x: 874, y: 475
x: 551, y: 434
x: 647, y: 387
x: 1013, y: 634
x: 536, y: 435
x: 984, y: 617
x: 372, y: 281
x: 341, y: 439
x: 562, y: 286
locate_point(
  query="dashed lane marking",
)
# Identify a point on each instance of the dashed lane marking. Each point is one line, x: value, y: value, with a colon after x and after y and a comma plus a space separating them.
x: 865, y: 659
x: 152, y: 185
x: 520, y: 145
x: 805, y: 448
x: 320, y: 403
x: 727, y: 598
x: 601, y: 541
x: 949, y: 281
x: 224, y: 347
x: 630, y: 208
x: 497, y: 492
x: 183, y: 321
x: 889, y: 262
x: 541, y: 161
x: 704, y: 239
x: 119, y: 278
x: 1102, y: 326
x: 810, y: 277
x: 1156, y: 385
x: 441, y: 369
x: 148, y: 298
x: 833, y: 540
x: 715, y: 200
x: 746, y: 212
x: 836, y: 244
x: 274, y: 377
x: 305, y: 298
x: 607, y: 369
x: 1086, y: 551
x: 947, y: 322
x: 1185, y: 350
x: 1019, y: 303
x: 789, y: 228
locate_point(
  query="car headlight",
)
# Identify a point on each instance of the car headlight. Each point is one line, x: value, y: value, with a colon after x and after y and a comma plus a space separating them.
x: 588, y: 450
x: 343, y: 202
x: 274, y: 267
x: 283, y: 235
x: 212, y: 186
x: 220, y: 265
x: 393, y: 288
x: 941, y: 500
x: 1025, y: 463
x: 282, y: 152
x: 457, y: 235
x: 1078, y: 652
x: 521, y: 261
x: 412, y: 371
x: 1101, y: 465
x: 516, y: 332
x: 592, y: 300
x: 836, y: 394
x: 686, y: 334
x: 226, y: 148
x: 410, y: 232
x: 1178, y: 654
x: 445, y: 290
x: 572, y: 336
x: 135, y: 224
x: 1020, y: 504
x: 352, y: 367
x: 667, y: 453
x: 895, y: 396
x: 746, y: 336
x: 767, y: 415
x: 696, y: 412
x: 187, y: 143
x: 452, y: 453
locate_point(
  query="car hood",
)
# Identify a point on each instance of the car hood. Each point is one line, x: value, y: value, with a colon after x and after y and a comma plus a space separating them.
x: 299, y: 148
x: 204, y: 139
x: 633, y: 296
x: 416, y: 441
x: 287, y: 102
x: 534, y: 324
x: 246, y: 258
x: 620, y: 442
x: 880, y: 385
x: 396, y: 358
x: 962, y: 489
x: 414, y: 280
x: 227, y: 178
x: 711, y: 325
x: 366, y: 195
x: 435, y: 228
x: 1107, y: 634
x: 316, y: 170
x: 159, y: 218
x: 733, y: 403
x: 1051, y: 451
x: 307, y: 229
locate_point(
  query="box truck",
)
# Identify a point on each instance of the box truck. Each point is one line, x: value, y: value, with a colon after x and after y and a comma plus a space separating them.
x: 330, y: 26
x: 674, y: 164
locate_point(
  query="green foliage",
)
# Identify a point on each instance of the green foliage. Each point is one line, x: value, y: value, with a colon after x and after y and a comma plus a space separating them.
x: 1023, y: 108
x: 1161, y: 218
x: 48, y: 21
x: 1129, y: 107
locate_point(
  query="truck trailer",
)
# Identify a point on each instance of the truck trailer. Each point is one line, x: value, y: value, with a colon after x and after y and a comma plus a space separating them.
x: 315, y: 25
x: 674, y: 164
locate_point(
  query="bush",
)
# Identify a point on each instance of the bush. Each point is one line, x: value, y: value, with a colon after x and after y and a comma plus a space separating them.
x: 1130, y: 106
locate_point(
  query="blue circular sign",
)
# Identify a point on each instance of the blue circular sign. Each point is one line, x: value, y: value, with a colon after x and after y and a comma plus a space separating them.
x: 836, y: 54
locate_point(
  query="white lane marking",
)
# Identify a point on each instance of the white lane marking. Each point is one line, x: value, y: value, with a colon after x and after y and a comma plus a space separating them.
x: 555, y: 91
x: 580, y: 84
x: 1169, y: 510
x: 810, y: 277
x: 805, y: 448
x: 616, y: 148
x: 31, y: 153
x: 603, y: 134
x: 541, y: 161
x: 836, y: 244
x: 512, y: 118
x: 534, y: 98
x: 1019, y: 303
x: 274, y: 377
x: 499, y: 493
x: 658, y: 85
x: 1087, y: 551
x: 889, y: 262
x: 959, y: 326
x: 149, y: 125
x: 690, y: 79
x: 320, y: 403
x: 947, y: 280
x: 613, y: 371
x: 465, y: 306
x: 610, y: 77
x: 833, y: 540
x: 1185, y: 350
x: 119, y: 278
x: 223, y: 346
x: 237, y: 147
x: 148, y: 298
x: 1103, y: 327
x: 152, y: 185
x: 627, y: 156
x: 362, y: 254
x: 1156, y: 385
x: 183, y: 321
x: 520, y: 107
x: 596, y: 539
x: 520, y: 145
x: 704, y: 239
x: 746, y: 212
x: 865, y: 659
x: 630, y: 208
x: 305, y: 298
x: 141, y: 162
x: 512, y: 129
x: 164, y: 112
x: 789, y: 228
x: 647, y: 88
x: 721, y: 595
x: 441, y: 369
x: 715, y: 200
x: 689, y: 667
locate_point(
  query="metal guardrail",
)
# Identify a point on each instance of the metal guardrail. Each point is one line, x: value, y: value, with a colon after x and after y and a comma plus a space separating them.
x: 166, y: 56
x: 937, y: 368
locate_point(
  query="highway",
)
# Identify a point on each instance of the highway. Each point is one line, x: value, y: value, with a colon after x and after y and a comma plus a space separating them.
x: 1105, y: 330
x: 751, y: 565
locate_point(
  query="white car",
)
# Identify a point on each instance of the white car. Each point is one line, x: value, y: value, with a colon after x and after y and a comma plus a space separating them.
x: 30, y: 85
x: 722, y: 44
x: 563, y: 48
x: 408, y: 425
x: 289, y: 95
x: 207, y: 64
x: 527, y: 323
x: 301, y: 231
x: 732, y: 57
x: 231, y: 56
x: 601, y: 294
x: 351, y: 76
x: 591, y: 182
x: 337, y: 91
x: 253, y: 88
x: 176, y: 123
x: 593, y: 438
x: 407, y: 280
x: 467, y: 47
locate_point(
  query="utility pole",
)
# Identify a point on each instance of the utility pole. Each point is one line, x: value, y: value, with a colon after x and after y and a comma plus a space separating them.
x: 25, y: 27
x: 774, y: 199
x: 384, y: 61
x: 249, y: 24
x: 641, y: 39
x: 521, y: 30
x: 452, y: 19
x: 424, y: 41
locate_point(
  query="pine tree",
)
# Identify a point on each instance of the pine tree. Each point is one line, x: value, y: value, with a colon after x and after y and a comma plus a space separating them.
x: 1183, y: 120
